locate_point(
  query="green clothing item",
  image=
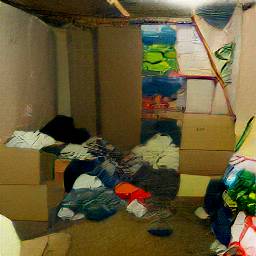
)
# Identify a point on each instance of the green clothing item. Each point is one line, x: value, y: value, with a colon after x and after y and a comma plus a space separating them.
x: 160, y: 58
x: 243, y: 192
x: 224, y: 57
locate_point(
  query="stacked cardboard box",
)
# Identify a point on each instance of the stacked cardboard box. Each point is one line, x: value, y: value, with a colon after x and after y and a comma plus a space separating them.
x: 207, y: 144
x: 26, y: 189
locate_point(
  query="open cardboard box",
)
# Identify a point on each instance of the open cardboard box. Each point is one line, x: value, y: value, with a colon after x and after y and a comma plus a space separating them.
x: 24, y: 166
x: 207, y: 144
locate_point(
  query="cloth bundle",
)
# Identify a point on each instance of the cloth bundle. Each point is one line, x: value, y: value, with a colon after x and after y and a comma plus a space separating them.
x: 159, y: 152
x: 33, y: 140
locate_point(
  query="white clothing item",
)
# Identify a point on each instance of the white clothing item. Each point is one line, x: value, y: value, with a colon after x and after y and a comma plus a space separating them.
x: 75, y: 151
x: 217, y: 247
x: 33, y: 140
x: 65, y: 213
x: 87, y: 181
x: 201, y: 213
x: 10, y: 244
x: 159, y: 152
x: 249, y: 240
x: 78, y: 216
x: 168, y: 159
x: 136, y: 208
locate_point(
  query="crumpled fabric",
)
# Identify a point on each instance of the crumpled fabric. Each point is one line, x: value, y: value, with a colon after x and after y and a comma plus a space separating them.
x: 160, y: 183
x: 95, y: 204
x: 129, y: 192
x: 75, y: 151
x: 159, y: 152
x: 217, y: 14
x: 160, y: 58
x: 102, y: 148
x: 224, y: 57
x: 248, y: 240
x: 32, y: 140
x: 163, y: 35
x: 243, y: 192
x: 87, y: 181
x: 164, y: 86
x: 238, y: 163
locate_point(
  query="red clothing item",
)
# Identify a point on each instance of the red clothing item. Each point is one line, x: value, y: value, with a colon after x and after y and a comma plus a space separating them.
x: 127, y: 191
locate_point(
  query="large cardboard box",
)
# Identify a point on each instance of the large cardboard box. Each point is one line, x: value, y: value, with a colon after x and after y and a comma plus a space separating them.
x: 207, y: 144
x: 29, y: 202
x: 24, y: 166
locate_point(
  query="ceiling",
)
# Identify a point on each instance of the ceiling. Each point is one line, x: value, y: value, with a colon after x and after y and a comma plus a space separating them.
x: 76, y: 9
x: 60, y: 12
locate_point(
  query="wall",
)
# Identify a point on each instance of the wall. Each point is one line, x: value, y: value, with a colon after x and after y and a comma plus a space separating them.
x: 120, y: 55
x: 27, y: 72
x: 82, y: 78
x: 63, y: 83
x: 246, y: 92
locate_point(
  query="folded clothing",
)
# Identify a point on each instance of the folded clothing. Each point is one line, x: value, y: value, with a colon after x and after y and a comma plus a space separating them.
x: 33, y: 140
x: 137, y: 208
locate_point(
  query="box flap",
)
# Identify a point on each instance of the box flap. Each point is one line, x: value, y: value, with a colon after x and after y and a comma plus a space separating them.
x: 34, y: 247
x: 208, y: 132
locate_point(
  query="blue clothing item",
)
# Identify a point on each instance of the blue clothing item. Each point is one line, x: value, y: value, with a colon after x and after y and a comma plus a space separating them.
x: 75, y: 169
x: 167, y: 35
x: 93, y: 168
x: 110, y: 181
x: 221, y: 225
x: 96, y: 204
x: 221, y: 217
x: 164, y: 86
x: 217, y: 14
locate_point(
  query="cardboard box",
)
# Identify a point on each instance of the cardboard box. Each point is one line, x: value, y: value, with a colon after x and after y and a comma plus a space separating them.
x: 59, y: 168
x: 53, y: 244
x: 207, y: 144
x: 24, y: 166
x: 29, y: 202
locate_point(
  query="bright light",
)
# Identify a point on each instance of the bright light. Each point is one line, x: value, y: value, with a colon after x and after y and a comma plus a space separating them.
x: 186, y: 3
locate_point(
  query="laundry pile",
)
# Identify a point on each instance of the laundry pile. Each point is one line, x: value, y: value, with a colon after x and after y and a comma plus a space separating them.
x: 109, y: 180
x: 230, y: 202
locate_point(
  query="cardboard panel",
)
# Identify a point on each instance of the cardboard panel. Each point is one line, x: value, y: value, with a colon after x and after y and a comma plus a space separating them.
x: 208, y: 132
x: 82, y: 78
x: 204, y: 162
x: 27, y: 71
x: 29, y: 202
x: 120, y: 56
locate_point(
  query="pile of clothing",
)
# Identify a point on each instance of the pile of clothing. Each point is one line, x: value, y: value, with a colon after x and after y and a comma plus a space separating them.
x: 144, y: 181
